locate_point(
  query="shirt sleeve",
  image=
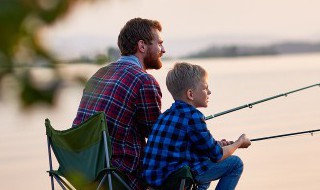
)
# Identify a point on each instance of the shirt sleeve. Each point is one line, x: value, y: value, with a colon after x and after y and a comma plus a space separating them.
x: 148, y: 105
x: 202, y: 139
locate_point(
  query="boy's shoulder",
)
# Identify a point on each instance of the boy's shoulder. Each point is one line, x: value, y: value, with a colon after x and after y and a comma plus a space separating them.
x: 180, y: 106
x: 182, y: 109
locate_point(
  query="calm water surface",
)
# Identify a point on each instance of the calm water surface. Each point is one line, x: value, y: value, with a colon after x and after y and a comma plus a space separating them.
x: 287, y: 163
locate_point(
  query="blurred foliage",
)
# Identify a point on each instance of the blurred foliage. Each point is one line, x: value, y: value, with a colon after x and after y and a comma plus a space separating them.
x: 21, y: 48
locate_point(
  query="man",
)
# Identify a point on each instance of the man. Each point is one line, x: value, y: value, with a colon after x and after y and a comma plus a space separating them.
x: 130, y: 97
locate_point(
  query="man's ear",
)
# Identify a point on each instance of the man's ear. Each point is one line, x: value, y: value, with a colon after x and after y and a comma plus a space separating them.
x: 189, y: 94
x: 141, y: 46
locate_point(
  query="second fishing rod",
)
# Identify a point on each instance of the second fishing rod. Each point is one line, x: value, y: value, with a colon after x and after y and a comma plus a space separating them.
x: 250, y: 105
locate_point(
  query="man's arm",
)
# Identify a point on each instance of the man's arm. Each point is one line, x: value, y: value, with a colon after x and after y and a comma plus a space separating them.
x: 148, y: 106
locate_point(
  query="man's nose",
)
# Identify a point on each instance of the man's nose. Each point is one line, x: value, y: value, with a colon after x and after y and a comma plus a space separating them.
x: 163, y: 50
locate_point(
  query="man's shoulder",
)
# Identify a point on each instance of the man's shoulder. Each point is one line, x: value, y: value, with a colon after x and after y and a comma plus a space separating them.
x: 125, y: 70
x: 134, y: 70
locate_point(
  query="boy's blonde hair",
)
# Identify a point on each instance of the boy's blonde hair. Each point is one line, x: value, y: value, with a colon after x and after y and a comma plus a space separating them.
x: 182, y: 77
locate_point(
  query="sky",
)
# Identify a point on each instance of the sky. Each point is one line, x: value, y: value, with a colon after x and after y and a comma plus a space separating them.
x: 188, y: 25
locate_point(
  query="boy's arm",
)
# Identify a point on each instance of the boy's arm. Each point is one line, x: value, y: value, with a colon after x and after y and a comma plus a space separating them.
x: 202, y: 140
x: 224, y: 142
x: 242, y: 142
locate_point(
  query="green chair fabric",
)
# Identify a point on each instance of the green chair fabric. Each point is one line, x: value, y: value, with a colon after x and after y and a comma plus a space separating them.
x: 180, y: 179
x: 81, y: 153
x: 174, y: 179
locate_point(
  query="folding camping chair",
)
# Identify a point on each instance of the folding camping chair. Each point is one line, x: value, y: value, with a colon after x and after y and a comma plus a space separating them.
x: 83, y: 154
x: 179, y: 180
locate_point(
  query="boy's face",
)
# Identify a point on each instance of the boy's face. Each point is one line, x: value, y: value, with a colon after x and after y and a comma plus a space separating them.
x: 201, y: 93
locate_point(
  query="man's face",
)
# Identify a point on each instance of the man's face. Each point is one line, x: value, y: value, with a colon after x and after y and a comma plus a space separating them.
x: 155, y: 50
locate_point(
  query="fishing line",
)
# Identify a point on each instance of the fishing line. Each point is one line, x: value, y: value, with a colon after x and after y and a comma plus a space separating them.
x: 250, y: 105
x: 287, y: 135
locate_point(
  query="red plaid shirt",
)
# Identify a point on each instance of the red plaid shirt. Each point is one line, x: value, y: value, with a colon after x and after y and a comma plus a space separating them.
x: 131, y: 99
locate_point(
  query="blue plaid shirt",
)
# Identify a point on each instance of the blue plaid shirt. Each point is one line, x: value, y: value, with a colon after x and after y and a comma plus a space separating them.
x: 179, y: 137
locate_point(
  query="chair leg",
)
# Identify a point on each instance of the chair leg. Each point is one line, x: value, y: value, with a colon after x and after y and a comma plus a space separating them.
x: 59, y: 182
x: 110, y: 182
x: 50, y: 162
x: 102, y: 181
x: 107, y: 158
x: 64, y: 183
x: 122, y: 181
x: 182, y: 184
x: 52, y: 183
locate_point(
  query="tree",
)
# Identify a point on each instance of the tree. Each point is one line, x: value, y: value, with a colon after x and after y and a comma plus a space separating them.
x: 21, y: 48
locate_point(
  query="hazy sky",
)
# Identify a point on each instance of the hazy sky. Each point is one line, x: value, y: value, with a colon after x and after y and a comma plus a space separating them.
x: 187, y: 24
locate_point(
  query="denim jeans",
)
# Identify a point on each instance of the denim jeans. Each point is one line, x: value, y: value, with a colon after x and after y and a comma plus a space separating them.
x: 227, y: 171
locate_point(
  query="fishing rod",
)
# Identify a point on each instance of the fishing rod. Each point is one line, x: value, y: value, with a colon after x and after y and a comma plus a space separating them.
x: 250, y: 105
x: 286, y: 135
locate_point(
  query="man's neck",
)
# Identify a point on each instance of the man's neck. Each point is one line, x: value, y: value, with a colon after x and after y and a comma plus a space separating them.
x: 133, y: 59
x: 140, y: 58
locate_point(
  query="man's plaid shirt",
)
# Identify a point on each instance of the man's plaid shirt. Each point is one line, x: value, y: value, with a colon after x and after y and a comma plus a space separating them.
x: 179, y: 137
x: 131, y: 99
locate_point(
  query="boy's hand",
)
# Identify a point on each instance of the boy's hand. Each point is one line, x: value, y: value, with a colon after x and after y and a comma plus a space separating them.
x: 224, y: 142
x: 245, y: 142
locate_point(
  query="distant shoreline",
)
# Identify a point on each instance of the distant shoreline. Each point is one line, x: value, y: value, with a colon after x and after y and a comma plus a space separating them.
x: 251, y: 50
x: 215, y: 51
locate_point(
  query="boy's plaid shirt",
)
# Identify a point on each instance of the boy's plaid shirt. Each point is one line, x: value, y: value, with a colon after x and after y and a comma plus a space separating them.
x: 131, y: 99
x: 179, y: 137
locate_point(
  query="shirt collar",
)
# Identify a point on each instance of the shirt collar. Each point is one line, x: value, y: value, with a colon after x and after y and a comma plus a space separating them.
x: 185, y: 105
x: 131, y: 59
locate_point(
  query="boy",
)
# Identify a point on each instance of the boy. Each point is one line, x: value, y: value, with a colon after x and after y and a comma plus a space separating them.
x: 180, y: 136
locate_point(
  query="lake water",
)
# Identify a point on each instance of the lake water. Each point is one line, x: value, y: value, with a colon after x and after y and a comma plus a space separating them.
x: 287, y: 163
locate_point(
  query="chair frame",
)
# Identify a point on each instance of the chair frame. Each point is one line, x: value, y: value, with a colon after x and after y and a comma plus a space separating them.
x: 108, y: 171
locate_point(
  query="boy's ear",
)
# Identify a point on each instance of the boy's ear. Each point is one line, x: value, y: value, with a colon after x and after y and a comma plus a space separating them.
x: 141, y: 46
x: 189, y: 94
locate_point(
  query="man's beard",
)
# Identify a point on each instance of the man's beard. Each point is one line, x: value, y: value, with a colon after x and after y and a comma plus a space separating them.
x: 152, y: 61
